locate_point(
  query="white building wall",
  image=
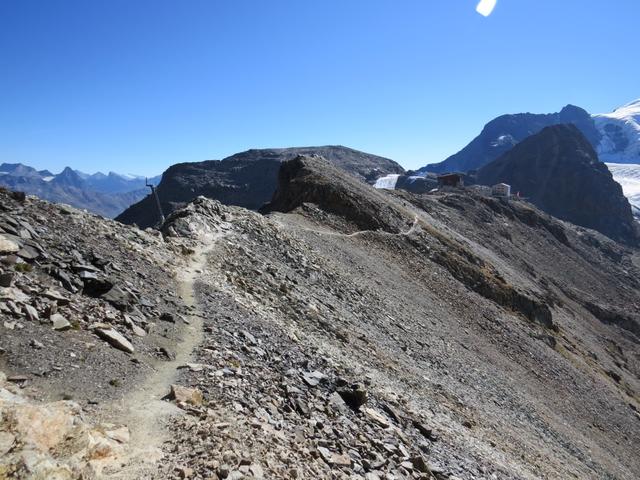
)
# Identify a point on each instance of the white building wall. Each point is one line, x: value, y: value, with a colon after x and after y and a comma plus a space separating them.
x: 501, y: 190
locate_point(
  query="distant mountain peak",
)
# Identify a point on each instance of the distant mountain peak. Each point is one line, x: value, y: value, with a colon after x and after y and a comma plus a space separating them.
x: 570, y: 108
x: 502, y: 133
x: 630, y: 107
x: 106, y: 195
x: 620, y: 134
x: 558, y: 170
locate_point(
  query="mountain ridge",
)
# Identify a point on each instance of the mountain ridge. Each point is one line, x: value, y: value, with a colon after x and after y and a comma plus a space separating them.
x: 247, y: 179
x: 558, y: 170
x: 331, y: 337
x: 504, y: 132
x: 106, y: 195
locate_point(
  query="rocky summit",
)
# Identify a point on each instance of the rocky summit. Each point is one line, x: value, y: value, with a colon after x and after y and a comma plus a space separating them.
x: 559, y: 171
x: 342, y: 332
x: 503, y: 133
x: 247, y: 179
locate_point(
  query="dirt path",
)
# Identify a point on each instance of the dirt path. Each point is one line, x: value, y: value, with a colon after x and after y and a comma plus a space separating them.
x: 414, y: 226
x: 143, y: 410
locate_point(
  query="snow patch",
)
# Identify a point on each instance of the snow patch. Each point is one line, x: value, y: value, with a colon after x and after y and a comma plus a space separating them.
x: 504, y: 140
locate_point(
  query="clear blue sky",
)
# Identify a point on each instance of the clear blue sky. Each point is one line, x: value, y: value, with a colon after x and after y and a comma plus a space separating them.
x: 137, y: 85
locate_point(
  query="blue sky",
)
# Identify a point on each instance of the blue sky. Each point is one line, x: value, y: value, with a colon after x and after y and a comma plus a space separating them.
x: 135, y: 86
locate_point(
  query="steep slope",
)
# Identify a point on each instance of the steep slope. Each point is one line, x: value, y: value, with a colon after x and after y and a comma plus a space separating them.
x: 559, y: 171
x: 349, y: 333
x: 246, y: 179
x: 503, y: 133
x: 474, y: 340
x: 620, y: 132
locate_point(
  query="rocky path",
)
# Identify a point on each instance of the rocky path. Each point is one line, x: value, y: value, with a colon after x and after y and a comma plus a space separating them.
x: 332, y: 233
x: 144, y: 411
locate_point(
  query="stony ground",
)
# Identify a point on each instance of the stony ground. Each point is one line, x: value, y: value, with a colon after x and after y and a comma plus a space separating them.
x: 443, y: 336
x: 89, y: 310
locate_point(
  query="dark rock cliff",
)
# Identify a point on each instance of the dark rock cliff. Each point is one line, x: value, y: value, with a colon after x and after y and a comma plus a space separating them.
x: 314, y: 180
x: 246, y: 179
x: 559, y: 172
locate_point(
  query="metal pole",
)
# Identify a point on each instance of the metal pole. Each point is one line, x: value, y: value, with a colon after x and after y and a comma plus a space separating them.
x: 155, y: 195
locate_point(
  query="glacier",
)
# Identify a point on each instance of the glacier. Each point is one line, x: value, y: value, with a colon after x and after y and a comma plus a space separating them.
x: 628, y: 176
x: 620, y: 134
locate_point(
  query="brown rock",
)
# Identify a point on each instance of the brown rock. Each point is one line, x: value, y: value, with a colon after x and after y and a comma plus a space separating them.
x: 191, y: 396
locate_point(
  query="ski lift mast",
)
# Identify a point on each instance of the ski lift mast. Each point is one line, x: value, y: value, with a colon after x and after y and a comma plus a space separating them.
x: 154, y: 192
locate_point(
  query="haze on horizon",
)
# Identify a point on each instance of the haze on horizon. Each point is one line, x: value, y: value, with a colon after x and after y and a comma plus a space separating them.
x: 134, y: 87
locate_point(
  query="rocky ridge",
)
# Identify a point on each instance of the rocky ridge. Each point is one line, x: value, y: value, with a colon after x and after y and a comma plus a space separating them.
x: 247, y: 179
x: 355, y: 333
x: 309, y: 318
x: 503, y: 133
x: 559, y: 171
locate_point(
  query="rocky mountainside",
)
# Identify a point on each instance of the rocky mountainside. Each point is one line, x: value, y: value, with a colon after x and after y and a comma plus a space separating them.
x: 106, y: 195
x: 559, y: 171
x: 246, y: 179
x: 345, y: 332
x: 503, y: 133
x: 620, y: 132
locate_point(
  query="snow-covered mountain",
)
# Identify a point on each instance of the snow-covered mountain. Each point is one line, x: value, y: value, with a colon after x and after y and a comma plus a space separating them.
x: 117, y: 182
x: 620, y: 131
x: 106, y: 195
x: 628, y: 176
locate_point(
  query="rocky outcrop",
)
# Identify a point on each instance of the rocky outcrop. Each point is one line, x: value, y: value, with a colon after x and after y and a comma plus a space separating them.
x: 246, y: 179
x: 503, y: 133
x: 53, y: 440
x: 314, y: 180
x: 558, y: 171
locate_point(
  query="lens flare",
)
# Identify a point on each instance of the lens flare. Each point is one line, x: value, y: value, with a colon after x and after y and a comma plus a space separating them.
x: 485, y: 7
